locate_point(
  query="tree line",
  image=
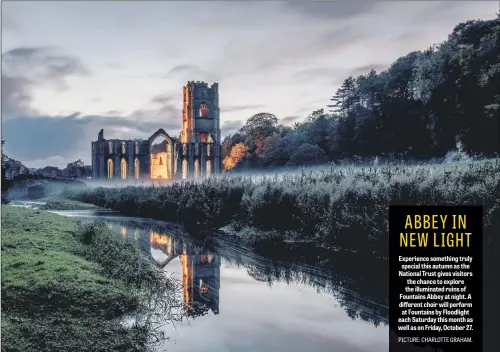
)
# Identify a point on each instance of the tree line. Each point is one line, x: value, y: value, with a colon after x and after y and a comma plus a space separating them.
x: 423, y: 106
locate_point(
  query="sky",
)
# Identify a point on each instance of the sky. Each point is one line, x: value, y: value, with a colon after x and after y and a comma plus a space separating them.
x: 71, y: 68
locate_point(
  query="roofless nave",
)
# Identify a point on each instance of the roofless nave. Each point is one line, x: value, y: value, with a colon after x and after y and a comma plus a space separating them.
x: 160, y: 157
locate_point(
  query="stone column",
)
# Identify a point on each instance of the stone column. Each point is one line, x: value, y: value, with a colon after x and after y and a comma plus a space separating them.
x: 178, y: 161
x: 130, y: 163
x: 203, y: 159
x: 102, y: 162
x: 117, y: 174
x: 191, y: 157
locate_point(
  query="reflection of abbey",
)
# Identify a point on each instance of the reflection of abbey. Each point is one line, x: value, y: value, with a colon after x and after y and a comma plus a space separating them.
x: 200, y: 273
x: 162, y: 157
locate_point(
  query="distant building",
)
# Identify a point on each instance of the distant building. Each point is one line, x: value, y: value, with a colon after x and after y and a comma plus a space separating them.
x: 161, y: 157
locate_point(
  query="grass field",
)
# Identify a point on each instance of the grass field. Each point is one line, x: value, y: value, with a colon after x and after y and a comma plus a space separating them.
x: 62, y: 291
x: 331, y: 207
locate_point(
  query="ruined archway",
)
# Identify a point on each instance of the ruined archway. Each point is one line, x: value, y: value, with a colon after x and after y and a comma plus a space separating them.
x: 137, y: 171
x: 161, y: 156
x: 196, y: 168
x: 110, y: 168
x: 184, y: 169
x: 123, y: 169
x: 208, y: 168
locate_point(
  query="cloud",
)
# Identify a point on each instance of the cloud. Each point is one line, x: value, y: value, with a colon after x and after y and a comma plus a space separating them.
x: 362, y: 70
x: 25, y: 68
x: 34, y: 139
x: 42, y: 64
x: 189, y: 72
x: 16, y: 96
x: 331, y: 10
x: 163, y: 99
x: 230, y: 127
x: 290, y: 119
x: 10, y: 25
x: 331, y: 75
x: 286, y: 48
x: 114, y: 65
x: 233, y: 108
x: 55, y: 161
x: 285, y: 57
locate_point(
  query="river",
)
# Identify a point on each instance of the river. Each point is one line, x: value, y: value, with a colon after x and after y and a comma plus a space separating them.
x: 243, y: 301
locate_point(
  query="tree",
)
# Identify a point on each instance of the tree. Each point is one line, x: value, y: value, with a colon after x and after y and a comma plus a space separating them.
x: 420, y: 107
x: 238, y: 152
x: 75, y: 169
x: 4, y: 162
x: 345, y: 97
x: 308, y: 154
x: 264, y: 124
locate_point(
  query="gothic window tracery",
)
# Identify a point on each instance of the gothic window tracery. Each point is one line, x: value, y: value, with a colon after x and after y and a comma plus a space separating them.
x: 203, y: 110
x: 123, y: 167
x: 136, y: 168
x: 110, y: 168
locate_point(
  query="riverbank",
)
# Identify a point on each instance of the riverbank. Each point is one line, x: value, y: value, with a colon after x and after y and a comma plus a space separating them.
x: 331, y: 208
x: 52, y: 203
x: 62, y: 291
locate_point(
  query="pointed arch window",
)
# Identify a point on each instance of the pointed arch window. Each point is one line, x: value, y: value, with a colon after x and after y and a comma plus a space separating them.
x: 203, y: 110
x: 209, y: 168
x: 203, y: 137
x: 123, y: 147
x: 196, y: 169
x: 123, y: 168
x: 110, y: 168
x: 184, y: 169
x: 136, y: 168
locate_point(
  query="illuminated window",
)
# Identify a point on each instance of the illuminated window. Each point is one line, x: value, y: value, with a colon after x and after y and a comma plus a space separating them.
x: 136, y: 168
x: 110, y: 169
x: 203, y: 137
x: 203, y: 110
x: 184, y: 169
x: 210, y: 139
x: 123, y: 147
x: 196, y: 168
x: 209, y: 168
x: 123, y: 168
x: 203, y: 287
x: 136, y: 148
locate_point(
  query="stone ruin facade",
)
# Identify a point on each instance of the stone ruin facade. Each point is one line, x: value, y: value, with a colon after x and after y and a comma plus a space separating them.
x: 197, y: 153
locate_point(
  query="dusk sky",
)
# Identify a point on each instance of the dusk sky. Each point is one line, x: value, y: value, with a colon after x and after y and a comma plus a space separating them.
x: 72, y: 68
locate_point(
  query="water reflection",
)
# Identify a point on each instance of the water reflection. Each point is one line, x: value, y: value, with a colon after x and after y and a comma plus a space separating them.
x: 200, y: 273
x: 201, y: 283
x: 273, y: 298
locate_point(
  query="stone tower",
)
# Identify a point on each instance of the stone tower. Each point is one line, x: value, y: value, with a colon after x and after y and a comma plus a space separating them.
x: 200, y: 113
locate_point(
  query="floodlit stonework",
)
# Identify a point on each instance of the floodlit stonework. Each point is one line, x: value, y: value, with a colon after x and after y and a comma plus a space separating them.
x: 161, y: 157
